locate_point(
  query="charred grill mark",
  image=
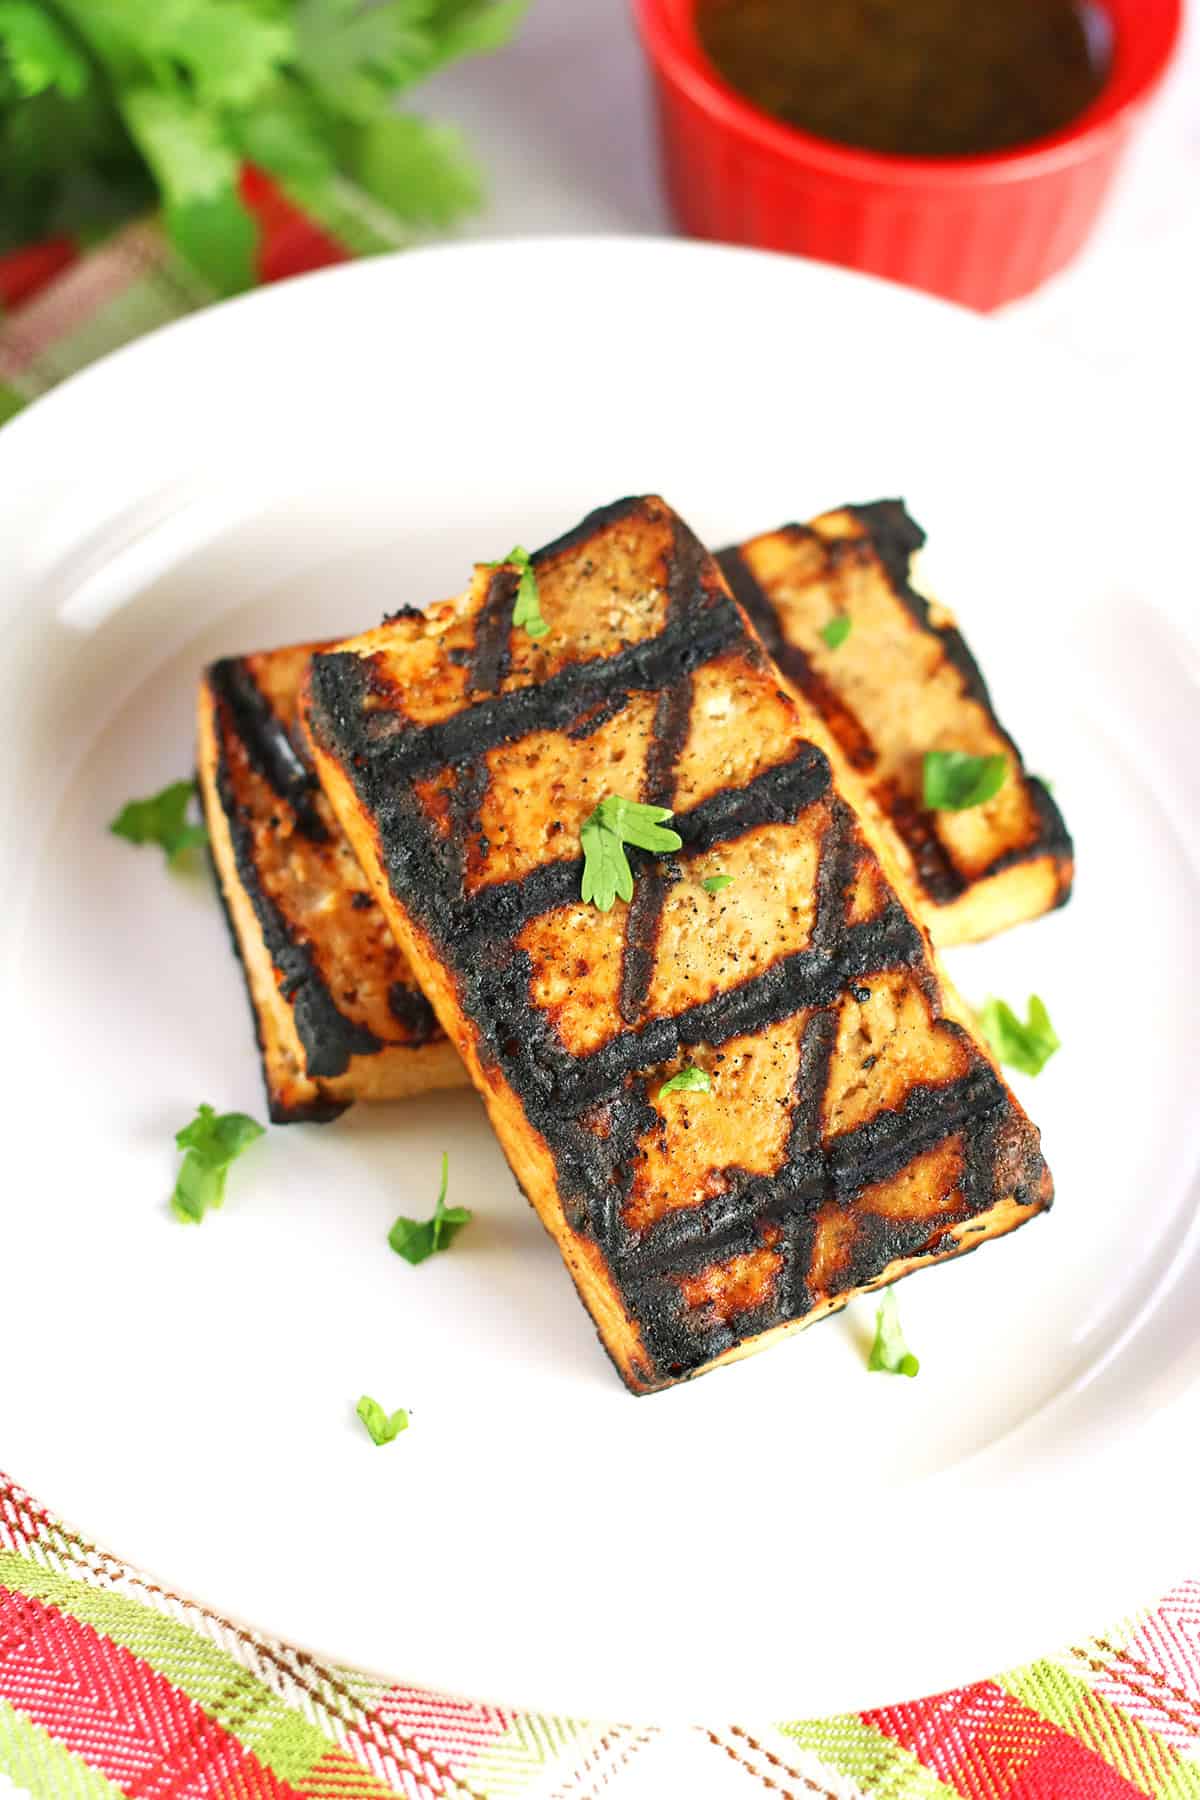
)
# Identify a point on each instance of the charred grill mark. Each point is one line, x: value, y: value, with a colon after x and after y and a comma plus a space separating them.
x: 776, y: 797
x: 268, y: 743
x: 667, y: 738
x: 1052, y: 839
x: 464, y: 798
x: 593, y: 1112
x: 590, y: 722
x: 917, y: 829
x: 793, y: 664
x: 340, y: 683
x: 895, y: 536
x: 806, y: 978
x: 493, y: 629
x: 409, y: 1007
x: 595, y: 523
x: 812, y: 1079
x: 328, y: 1038
x: 315, y: 1112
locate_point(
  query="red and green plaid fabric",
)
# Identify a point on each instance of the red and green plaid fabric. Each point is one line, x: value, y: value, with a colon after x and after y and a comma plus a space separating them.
x: 112, y: 1685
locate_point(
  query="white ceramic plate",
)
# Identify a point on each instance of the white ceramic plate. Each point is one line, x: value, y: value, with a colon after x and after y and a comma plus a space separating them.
x: 788, y: 1535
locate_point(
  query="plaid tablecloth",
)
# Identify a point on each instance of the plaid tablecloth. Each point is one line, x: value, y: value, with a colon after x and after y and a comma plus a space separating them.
x: 110, y: 1684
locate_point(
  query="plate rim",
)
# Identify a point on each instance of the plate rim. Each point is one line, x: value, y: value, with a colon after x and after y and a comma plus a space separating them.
x: 45, y: 414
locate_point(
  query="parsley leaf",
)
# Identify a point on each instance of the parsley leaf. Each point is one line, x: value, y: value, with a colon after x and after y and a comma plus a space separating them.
x: 687, y: 1080
x: 890, y: 1355
x: 102, y: 101
x: 716, y: 884
x: 604, y: 833
x: 954, y: 780
x: 1028, y: 1046
x: 527, y: 612
x: 417, y: 1239
x: 161, y: 819
x: 423, y: 174
x: 383, y: 1427
x: 37, y: 52
x: 836, y: 630
x: 212, y: 1141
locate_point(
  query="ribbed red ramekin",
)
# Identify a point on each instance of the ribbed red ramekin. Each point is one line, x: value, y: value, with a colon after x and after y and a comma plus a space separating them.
x: 981, y: 230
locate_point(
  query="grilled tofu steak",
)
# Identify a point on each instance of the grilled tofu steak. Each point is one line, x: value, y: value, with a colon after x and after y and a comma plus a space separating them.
x: 853, y: 1129
x: 902, y: 682
x: 338, y: 1013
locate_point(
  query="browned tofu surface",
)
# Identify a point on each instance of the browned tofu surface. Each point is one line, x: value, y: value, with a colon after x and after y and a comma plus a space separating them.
x: 338, y: 1013
x: 901, y: 683
x: 855, y: 1128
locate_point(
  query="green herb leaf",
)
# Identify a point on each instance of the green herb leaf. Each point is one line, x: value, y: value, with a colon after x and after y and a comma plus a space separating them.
x: 286, y: 133
x: 527, y: 610
x: 37, y: 53
x: 417, y: 1239
x: 954, y: 780
x: 383, y: 1427
x: 231, y: 51
x: 475, y: 27
x: 836, y: 630
x: 424, y: 175
x: 716, y: 884
x: 356, y: 54
x: 1027, y: 1047
x: 604, y: 833
x: 211, y: 1142
x: 161, y: 820
x: 890, y: 1355
x: 688, y: 1081
x: 218, y: 237
x: 187, y: 148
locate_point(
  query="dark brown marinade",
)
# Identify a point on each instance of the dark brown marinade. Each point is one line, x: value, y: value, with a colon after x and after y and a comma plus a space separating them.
x: 910, y: 77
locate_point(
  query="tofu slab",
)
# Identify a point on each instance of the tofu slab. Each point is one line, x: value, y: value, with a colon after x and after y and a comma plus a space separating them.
x: 902, y: 682
x: 855, y: 1129
x: 338, y: 1013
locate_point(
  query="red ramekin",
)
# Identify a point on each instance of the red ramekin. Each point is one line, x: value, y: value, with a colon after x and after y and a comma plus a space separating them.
x: 981, y: 230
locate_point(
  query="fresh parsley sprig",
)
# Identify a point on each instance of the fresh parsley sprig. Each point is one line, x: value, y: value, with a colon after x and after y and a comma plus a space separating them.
x: 162, y: 818
x: 890, y: 1355
x: 417, y: 1239
x: 688, y: 1080
x: 103, y: 102
x: 211, y: 1143
x: 954, y: 780
x: 604, y: 835
x: 382, y: 1426
x: 527, y: 611
x: 1025, y: 1046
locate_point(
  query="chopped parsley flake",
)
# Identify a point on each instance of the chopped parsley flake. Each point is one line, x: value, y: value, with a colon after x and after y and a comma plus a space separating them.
x: 211, y: 1143
x: 1027, y: 1047
x: 954, y: 780
x: 161, y: 819
x: 616, y: 822
x: 417, y: 1239
x: 382, y: 1426
x: 688, y: 1081
x: 890, y: 1355
x: 527, y: 612
x: 835, y: 631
